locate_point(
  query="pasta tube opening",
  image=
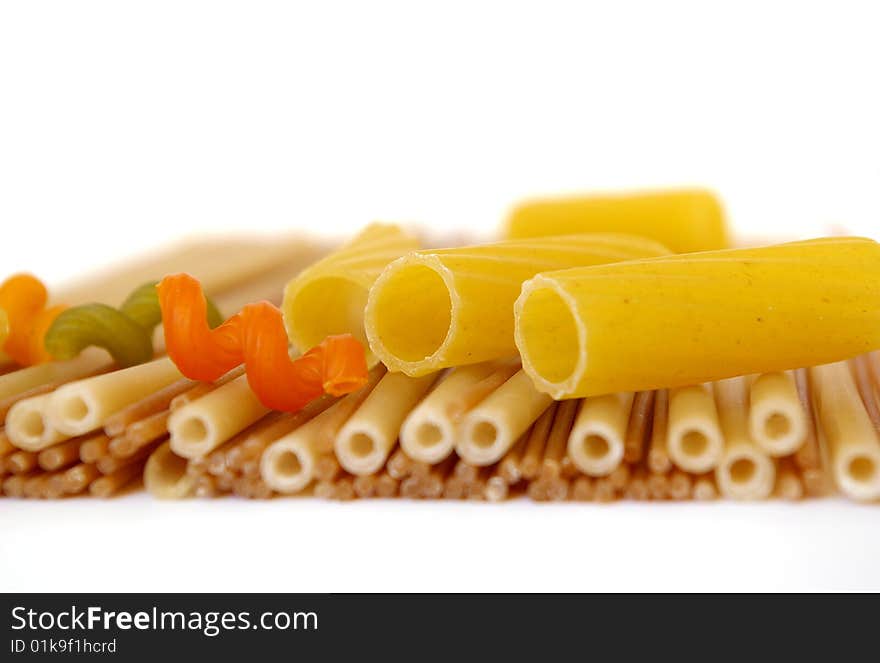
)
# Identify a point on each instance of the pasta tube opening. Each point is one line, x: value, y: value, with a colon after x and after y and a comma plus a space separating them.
x: 202, y: 425
x: 551, y: 338
x: 288, y: 466
x: 746, y: 474
x: 694, y: 439
x: 490, y: 429
x: 332, y: 305
x: 412, y: 338
x: 28, y: 425
x: 777, y: 421
x: 329, y: 298
x: 429, y: 432
x: 166, y: 476
x: 367, y: 438
x: 596, y: 442
x: 83, y: 406
x: 851, y: 441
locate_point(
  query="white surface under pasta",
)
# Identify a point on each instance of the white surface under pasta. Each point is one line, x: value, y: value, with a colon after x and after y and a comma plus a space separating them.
x: 821, y: 545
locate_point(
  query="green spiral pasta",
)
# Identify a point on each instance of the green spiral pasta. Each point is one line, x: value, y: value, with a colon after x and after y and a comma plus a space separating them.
x: 126, y: 333
x: 77, y: 328
x: 142, y: 306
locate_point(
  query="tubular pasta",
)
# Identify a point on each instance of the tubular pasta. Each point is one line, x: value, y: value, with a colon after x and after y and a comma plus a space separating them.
x: 686, y: 220
x: 745, y: 471
x: 489, y: 430
x: 596, y: 442
x: 435, y: 309
x: 83, y: 406
x: 203, y: 425
x: 366, y: 439
x: 693, y: 437
x: 777, y: 420
x: 429, y: 431
x: 850, y: 437
x: 687, y: 319
x: 329, y: 297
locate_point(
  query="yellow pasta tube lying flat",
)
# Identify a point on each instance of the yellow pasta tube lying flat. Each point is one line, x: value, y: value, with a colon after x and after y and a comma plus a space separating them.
x: 777, y: 420
x: 596, y: 441
x: 289, y: 463
x: 435, y: 309
x: 693, y: 436
x: 366, y: 439
x: 851, y: 440
x: 28, y: 426
x: 428, y: 434
x: 688, y: 319
x: 24, y: 379
x: 206, y: 423
x: 744, y: 472
x: 165, y: 475
x: 684, y: 220
x: 83, y: 406
x: 489, y: 430
x: 329, y: 297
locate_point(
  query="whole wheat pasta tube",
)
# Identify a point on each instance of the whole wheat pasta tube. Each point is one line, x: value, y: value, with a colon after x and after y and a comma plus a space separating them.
x: 366, y: 439
x: 489, y: 430
x: 745, y: 471
x: 156, y: 402
x: 330, y: 296
x: 693, y: 437
x: 557, y: 440
x: 428, y: 432
x: 777, y: 421
x: 684, y: 220
x: 788, y: 482
x: 16, y: 382
x: 596, y: 443
x: 658, y: 460
x: 28, y: 425
x: 705, y: 489
x: 203, y: 425
x: 60, y: 455
x: 290, y: 463
x: 852, y: 441
x: 639, y: 425
x: 809, y: 456
x: 165, y: 475
x: 687, y: 319
x: 435, y: 309
x: 83, y: 406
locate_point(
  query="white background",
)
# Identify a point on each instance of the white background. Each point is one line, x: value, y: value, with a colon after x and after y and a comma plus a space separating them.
x: 123, y: 125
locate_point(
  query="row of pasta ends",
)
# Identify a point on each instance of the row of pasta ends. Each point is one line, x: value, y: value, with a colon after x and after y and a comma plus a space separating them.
x: 605, y: 347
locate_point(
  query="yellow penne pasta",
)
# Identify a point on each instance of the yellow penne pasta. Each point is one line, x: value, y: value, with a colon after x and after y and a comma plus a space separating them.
x: 745, y: 471
x: 684, y: 220
x: 434, y: 309
x: 56, y: 372
x: 851, y: 441
x: 329, y: 297
x: 686, y: 319
x: 83, y: 406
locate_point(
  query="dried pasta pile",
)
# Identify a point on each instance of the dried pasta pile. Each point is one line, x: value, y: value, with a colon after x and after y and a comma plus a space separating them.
x: 560, y: 363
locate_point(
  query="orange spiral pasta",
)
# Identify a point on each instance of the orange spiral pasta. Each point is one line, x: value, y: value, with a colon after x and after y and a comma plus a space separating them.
x: 257, y: 338
x: 23, y: 298
x: 336, y: 366
x: 201, y: 353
